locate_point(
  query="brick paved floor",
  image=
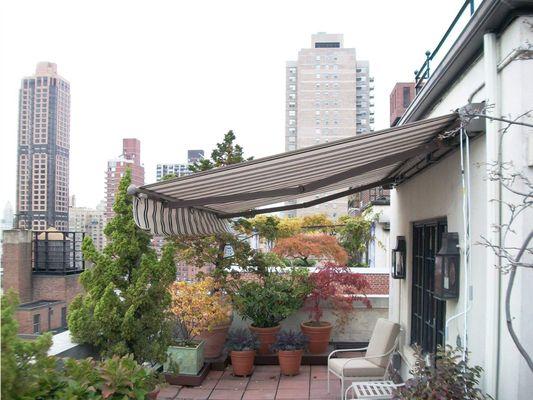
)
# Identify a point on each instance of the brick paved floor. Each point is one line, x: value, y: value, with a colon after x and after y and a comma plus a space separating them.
x: 265, y: 384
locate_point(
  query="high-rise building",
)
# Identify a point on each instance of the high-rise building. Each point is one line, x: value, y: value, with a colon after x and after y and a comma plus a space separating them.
x: 89, y: 221
x: 194, y: 155
x: 43, y: 150
x: 401, y: 96
x: 178, y: 170
x: 328, y: 97
x: 130, y: 158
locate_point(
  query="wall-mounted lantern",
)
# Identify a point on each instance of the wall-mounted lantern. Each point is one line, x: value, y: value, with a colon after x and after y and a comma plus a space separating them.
x: 399, y: 258
x: 447, y: 263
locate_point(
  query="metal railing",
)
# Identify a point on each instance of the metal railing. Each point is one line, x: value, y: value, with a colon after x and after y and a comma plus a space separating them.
x: 57, y: 253
x: 424, y: 72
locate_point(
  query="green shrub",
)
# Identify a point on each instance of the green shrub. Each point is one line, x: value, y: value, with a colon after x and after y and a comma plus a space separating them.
x: 29, y: 373
x: 447, y: 376
x: 268, y: 300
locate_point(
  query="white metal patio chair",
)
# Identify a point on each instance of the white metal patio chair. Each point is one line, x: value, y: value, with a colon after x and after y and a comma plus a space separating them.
x: 373, y: 365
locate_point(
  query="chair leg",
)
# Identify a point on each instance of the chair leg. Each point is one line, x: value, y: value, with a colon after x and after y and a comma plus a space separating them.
x: 343, y: 397
x: 328, y: 378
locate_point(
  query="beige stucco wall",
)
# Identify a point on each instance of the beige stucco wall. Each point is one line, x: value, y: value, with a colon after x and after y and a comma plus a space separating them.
x: 358, y: 329
x: 437, y: 193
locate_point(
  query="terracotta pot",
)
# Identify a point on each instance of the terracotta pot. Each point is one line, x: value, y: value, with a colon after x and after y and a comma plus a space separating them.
x: 318, y: 334
x: 214, y: 340
x: 266, y: 336
x: 153, y: 394
x: 242, y: 362
x: 290, y: 361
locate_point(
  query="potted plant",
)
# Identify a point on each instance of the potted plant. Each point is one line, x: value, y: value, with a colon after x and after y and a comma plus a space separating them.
x: 290, y: 346
x: 242, y: 345
x: 220, y: 311
x: 267, y: 300
x: 341, y: 288
x: 194, y: 314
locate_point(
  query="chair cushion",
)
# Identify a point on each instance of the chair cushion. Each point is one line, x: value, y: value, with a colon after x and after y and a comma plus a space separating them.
x: 382, y: 341
x: 355, y: 368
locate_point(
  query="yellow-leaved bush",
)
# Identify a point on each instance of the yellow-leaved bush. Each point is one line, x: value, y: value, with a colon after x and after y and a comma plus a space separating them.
x: 198, y: 307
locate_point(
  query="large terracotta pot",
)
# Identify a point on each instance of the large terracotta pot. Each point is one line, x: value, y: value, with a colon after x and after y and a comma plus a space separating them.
x: 318, y: 334
x: 290, y: 361
x: 242, y: 362
x: 266, y: 336
x: 214, y: 340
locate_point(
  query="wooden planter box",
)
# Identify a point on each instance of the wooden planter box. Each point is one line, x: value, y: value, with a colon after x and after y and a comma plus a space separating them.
x: 189, y: 359
x: 188, y: 380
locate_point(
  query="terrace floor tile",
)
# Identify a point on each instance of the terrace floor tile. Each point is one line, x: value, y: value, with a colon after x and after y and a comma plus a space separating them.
x: 193, y: 394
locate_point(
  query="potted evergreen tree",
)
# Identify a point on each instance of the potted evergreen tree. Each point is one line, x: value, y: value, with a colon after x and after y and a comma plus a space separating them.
x: 290, y: 346
x: 242, y: 345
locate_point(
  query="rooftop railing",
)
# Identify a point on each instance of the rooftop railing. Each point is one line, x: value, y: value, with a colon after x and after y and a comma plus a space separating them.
x: 433, y: 57
x: 57, y: 253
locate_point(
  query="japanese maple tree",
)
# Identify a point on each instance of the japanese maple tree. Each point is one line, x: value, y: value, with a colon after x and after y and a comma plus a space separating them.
x: 307, y: 247
x: 338, y: 285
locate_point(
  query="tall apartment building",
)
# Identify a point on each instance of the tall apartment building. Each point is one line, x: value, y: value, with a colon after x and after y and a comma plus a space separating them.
x: 328, y: 97
x: 88, y: 220
x: 401, y: 96
x: 43, y: 150
x: 163, y: 170
x: 130, y: 158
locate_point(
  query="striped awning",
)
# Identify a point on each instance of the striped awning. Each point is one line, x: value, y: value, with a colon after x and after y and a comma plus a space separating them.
x: 201, y: 203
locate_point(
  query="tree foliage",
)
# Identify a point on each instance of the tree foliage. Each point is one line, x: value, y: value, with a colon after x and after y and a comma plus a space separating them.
x: 27, y: 370
x: 338, y: 285
x: 225, y: 153
x: 355, y: 234
x: 124, y: 309
x: 306, y: 247
x: 197, y: 308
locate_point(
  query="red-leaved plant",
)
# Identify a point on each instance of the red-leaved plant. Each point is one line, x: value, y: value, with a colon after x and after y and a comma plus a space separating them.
x: 338, y: 285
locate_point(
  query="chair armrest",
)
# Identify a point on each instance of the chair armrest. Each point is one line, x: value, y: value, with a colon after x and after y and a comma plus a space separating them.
x: 345, y: 350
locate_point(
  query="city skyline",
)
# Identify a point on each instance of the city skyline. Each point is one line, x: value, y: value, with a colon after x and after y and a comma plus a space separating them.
x: 107, y: 106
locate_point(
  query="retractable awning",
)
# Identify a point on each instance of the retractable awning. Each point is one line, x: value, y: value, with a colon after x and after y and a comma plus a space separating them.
x: 203, y: 202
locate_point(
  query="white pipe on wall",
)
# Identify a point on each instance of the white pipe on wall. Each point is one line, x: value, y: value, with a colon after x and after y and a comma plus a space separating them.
x: 490, y: 58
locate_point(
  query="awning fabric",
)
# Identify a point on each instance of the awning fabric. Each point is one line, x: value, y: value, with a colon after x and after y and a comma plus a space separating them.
x: 201, y: 203
x: 152, y: 215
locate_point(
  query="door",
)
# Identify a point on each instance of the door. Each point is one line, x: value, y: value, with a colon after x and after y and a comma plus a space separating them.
x: 428, y: 314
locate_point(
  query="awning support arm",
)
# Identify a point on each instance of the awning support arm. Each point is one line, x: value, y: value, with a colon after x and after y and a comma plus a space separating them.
x: 252, y: 213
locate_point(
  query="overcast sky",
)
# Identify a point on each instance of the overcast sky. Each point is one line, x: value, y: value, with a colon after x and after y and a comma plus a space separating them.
x: 180, y: 74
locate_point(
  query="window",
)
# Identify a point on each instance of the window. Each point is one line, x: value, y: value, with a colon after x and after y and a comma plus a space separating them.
x: 406, y: 97
x: 427, y: 313
x: 292, y: 113
x: 322, y: 45
x: 37, y: 323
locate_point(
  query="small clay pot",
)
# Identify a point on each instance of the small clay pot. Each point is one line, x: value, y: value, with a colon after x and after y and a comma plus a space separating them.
x: 214, y: 340
x: 153, y: 394
x: 242, y: 362
x: 266, y: 336
x: 318, y: 334
x: 290, y: 361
